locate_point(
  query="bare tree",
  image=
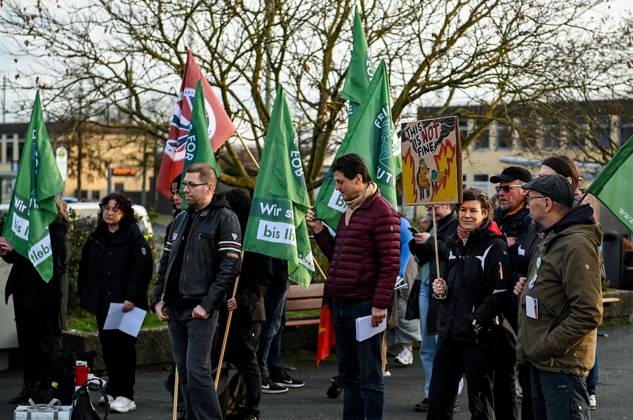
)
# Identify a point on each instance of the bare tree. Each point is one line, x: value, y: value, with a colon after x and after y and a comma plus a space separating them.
x: 516, y: 58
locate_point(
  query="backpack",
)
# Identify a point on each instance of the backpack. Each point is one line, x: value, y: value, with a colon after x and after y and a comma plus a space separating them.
x: 82, y: 406
x: 231, y: 390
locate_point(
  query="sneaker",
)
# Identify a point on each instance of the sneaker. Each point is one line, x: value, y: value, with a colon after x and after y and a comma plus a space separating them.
x: 593, y: 404
x: 102, y: 400
x: 422, y: 406
x: 287, y: 381
x: 273, y: 388
x: 404, y: 358
x: 122, y: 405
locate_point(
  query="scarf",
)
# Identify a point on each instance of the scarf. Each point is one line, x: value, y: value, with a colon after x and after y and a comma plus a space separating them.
x: 355, y: 203
x: 462, y: 233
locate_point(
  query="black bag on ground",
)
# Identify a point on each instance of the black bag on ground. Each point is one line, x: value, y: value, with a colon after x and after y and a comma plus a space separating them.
x: 231, y: 390
x: 59, y: 381
x: 82, y: 406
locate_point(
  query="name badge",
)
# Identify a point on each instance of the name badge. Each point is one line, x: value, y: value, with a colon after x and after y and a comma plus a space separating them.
x: 531, y: 307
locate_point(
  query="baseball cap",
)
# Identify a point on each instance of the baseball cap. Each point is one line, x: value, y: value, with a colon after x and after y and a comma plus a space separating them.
x: 510, y: 174
x: 556, y: 187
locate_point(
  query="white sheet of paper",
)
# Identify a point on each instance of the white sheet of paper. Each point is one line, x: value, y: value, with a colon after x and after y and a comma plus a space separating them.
x: 531, y: 307
x: 128, y: 322
x: 365, y: 330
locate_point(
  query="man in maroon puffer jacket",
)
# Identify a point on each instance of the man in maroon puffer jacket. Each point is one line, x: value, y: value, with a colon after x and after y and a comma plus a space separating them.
x: 364, y: 263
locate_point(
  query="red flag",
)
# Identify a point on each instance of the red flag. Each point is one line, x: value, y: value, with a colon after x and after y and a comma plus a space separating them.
x: 326, y: 339
x: 220, y: 126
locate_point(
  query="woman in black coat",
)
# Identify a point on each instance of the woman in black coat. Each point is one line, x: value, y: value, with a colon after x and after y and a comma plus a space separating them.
x: 36, y: 305
x: 116, y: 267
x: 470, y: 299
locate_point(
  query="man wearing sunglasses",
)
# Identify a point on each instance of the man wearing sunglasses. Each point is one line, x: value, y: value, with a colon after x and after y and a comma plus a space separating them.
x: 513, y: 218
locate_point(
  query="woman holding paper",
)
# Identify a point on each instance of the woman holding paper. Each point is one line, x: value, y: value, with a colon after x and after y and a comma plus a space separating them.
x: 470, y: 298
x: 116, y: 267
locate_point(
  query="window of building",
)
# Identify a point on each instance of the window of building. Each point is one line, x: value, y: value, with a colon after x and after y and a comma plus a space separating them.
x: 119, y: 187
x: 481, y: 181
x: 626, y: 131
x: 551, y: 136
x: 84, y: 195
x: 602, y: 131
x: 9, y: 151
x: 504, y: 136
x: 95, y: 195
x: 482, y: 141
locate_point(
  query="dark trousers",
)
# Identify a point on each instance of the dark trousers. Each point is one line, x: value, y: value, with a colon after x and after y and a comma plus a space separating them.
x: 119, y: 355
x: 191, y: 344
x: 504, y: 366
x: 242, y: 352
x: 525, y: 374
x: 38, y: 331
x: 559, y: 396
x: 452, y: 360
x: 269, y: 350
x: 359, y: 364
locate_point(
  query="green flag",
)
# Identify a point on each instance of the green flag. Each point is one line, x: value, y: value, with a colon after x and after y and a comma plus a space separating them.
x: 33, y: 205
x: 360, y: 69
x: 276, y: 224
x: 613, y: 186
x: 370, y: 135
x: 198, y: 147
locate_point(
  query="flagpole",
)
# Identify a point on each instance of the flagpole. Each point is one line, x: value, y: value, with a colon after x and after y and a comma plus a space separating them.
x: 319, y: 269
x: 174, y: 411
x: 437, y: 252
x: 248, y: 151
x: 226, y: 335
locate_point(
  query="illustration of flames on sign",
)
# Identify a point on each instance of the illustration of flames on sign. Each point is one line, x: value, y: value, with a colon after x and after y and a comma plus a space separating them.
x: 431, y: 161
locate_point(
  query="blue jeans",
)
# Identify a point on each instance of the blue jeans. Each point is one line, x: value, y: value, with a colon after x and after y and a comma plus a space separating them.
x: 359, y: 363
x: 429, y: 342
x: 559, y: 396
x: 191, y: 343
x: 269, y: 350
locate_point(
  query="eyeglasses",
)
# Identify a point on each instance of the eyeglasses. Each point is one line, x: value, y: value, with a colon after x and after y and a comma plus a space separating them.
x: 191, y: 185
x: 113, y: 210
x: 530, y: 198
x: 506, y: 188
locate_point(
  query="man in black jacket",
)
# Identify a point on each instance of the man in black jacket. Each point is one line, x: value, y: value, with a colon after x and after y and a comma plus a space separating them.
x: 513, y: 218
x: 419, y: 305
x: 199, y: 272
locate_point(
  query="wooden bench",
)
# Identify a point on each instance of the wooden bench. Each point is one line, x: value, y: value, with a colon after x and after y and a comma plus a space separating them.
x: 609, y: 300
x: 301, y: 299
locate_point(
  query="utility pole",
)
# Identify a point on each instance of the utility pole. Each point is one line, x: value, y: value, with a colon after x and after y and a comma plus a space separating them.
x: 4, y: 99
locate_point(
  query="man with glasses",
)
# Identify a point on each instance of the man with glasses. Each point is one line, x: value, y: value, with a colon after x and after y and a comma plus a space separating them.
x: 560, y: 303
x: 192, y: 283
x: 513, y: 218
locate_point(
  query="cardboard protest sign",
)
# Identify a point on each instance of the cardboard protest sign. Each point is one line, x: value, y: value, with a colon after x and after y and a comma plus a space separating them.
x: 431, y: 161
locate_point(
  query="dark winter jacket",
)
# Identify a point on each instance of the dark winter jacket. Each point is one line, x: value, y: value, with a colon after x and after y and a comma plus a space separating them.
x: 27, y: 285
x: 514, y: 225
x: 114, y: 267
x: 211, y: 255
x: 365, y: 255
x: 255, y: 277
x: 425, y: 254
x: 478, y: 286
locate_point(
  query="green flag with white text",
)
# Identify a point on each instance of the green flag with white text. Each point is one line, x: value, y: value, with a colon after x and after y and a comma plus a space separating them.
x: 613, y: 186
x: 198, y: 147
x: 360, y: 69
x: 33, y: 205
x: 276, y: 223
x: 370, y: 135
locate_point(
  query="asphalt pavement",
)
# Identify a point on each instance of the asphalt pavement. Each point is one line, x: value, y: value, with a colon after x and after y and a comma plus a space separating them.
x: 403, y: 388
